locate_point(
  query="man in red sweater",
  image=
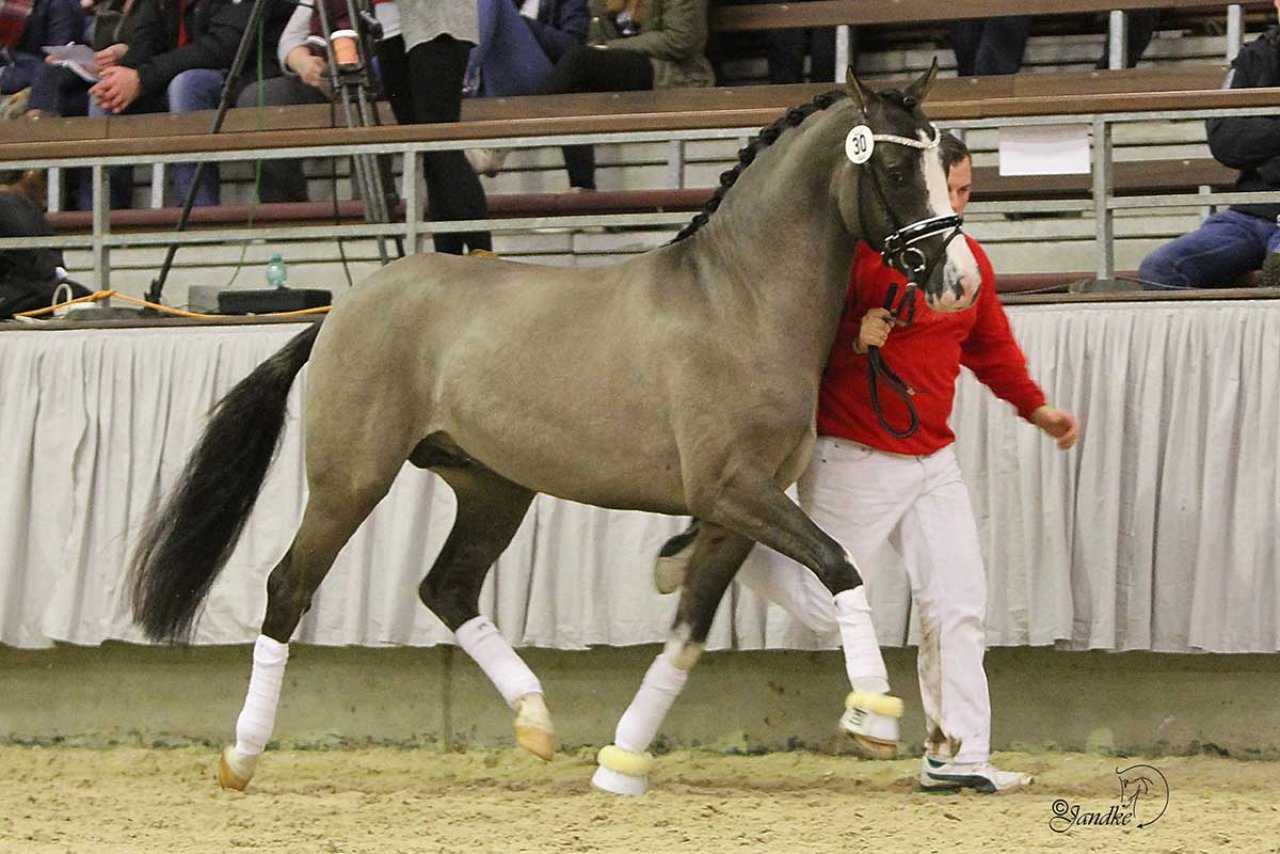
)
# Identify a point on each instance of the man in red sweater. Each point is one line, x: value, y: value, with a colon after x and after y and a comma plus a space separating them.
x: 865, y: 485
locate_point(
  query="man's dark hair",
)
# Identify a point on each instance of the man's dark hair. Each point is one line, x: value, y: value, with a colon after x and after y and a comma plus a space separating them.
x: 952, y: 149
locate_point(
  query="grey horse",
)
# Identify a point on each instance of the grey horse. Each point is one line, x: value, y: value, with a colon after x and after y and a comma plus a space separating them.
x: 681, y: 381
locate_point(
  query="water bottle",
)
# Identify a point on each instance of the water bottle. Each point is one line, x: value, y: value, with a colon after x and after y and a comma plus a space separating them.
x: 277, y: 272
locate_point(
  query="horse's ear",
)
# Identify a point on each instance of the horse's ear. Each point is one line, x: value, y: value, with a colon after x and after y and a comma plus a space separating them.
x: 919, y: 89
x: 861, y: 94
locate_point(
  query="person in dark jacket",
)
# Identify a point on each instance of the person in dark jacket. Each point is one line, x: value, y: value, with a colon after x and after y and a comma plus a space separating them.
x: 1231, y: 243
x: 28, y: 277
x: 184, y: 50
x: 50, y: 22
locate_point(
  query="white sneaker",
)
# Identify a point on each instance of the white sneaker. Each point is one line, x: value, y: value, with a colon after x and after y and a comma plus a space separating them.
x: 487, y: 161
x: 673, y: 560
x: 871, y: 720
x: 943, y: 775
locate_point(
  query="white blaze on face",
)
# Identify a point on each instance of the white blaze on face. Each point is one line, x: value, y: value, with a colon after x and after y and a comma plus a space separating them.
x: 960, y: 276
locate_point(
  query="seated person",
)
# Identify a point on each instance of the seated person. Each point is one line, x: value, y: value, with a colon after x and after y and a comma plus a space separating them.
x: 28, y: 277
x: 60, y: 91
x: 305, y: 80
x: 183, y: 51
x: 635, y: 45
x: 1231, y: 243
x: 23, y: 33
x: 520, y: 41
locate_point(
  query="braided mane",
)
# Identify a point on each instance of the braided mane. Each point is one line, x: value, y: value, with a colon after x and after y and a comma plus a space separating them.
x: 747, y: 154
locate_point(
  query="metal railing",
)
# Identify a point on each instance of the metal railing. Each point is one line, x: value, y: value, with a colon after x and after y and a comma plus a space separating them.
x: 413, y: 230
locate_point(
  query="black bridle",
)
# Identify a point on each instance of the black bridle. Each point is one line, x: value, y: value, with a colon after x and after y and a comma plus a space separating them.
x: 901, y: 253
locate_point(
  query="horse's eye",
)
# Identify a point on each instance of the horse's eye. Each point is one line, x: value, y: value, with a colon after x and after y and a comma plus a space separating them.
x: 897, y: 176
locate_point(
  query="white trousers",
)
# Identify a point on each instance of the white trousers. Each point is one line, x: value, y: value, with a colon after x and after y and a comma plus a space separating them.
x: 862, y: 498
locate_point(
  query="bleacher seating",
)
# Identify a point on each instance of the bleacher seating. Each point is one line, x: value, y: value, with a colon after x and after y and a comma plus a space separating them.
x: 1169, y: 159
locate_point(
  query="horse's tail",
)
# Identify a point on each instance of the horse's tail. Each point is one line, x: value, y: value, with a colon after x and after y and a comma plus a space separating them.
x: 188, y: 541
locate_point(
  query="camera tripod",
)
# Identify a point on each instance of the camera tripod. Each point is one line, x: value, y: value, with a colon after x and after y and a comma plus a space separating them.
x: 353, y: 84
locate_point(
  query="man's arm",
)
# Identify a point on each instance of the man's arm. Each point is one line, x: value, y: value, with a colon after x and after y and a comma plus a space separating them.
x: 63, y: 24
x: 1245, y: 142
x: 991, y: 351
x: 995, y: 358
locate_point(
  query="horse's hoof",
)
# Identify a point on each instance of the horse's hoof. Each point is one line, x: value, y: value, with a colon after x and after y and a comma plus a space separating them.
x: 871, y: 720
x: 872, y: 749
x: 235, y: 771
x: 622, y: 772
x: 617, y: 783
x: 534, y: 730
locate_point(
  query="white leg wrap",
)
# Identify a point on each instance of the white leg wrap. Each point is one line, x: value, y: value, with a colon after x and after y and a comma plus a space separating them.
x: 480, y: 639
x: 258, y: 717
x: 639, y: 724
x: 862, y: 659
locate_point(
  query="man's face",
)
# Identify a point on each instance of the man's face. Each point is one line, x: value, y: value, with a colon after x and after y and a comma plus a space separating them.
x: 960, y: 180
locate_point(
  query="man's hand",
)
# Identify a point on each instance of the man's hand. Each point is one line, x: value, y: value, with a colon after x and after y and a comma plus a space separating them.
x: 875, y: 329
x: 118, y: 88
x: 309, y: 67
x: 109, y: 56
x: 1058, y: 423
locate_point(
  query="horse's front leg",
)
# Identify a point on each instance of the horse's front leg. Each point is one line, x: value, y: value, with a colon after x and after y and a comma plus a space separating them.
x: 756, y: 508
x: 624, y: 765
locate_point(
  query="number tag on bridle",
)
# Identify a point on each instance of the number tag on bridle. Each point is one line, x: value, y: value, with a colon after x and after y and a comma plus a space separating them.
x: 859, y: 144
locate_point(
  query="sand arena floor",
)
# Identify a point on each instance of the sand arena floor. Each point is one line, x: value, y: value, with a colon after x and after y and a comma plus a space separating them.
x: 64, y: 800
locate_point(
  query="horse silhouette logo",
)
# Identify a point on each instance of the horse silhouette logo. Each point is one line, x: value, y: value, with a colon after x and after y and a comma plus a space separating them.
x: 1144, y: 796
x: 1143, y: 785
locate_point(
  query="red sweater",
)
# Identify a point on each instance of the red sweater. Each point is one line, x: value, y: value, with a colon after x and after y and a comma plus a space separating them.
x: 927, y: 355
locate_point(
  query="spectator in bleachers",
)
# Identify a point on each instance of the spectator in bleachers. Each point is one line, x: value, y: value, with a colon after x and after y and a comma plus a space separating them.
x: 1231, y: 243
x: 423, y: 59
x: 986, y: 46
x: 60, y: 91
x: 26, y: 26
x: 305, y: 80
x: 182, y: 50
x: 635, y: 45
x: 28, y: 277
x: 57, y: 89
x: 520, y: 41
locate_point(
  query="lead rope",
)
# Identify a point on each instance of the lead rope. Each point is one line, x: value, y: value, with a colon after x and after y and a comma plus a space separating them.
x: 878, y: 368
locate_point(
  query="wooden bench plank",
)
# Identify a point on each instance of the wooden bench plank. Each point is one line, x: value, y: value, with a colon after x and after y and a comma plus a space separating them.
x: 767, y: 101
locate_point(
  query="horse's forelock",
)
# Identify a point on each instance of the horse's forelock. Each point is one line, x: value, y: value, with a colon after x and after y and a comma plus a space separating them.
x: 903, y: 112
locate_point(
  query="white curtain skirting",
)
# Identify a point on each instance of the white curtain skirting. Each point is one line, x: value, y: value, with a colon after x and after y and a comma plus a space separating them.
x: 1158, y: 532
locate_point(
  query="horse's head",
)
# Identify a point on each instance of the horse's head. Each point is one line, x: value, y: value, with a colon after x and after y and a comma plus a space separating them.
x: 893, y: 191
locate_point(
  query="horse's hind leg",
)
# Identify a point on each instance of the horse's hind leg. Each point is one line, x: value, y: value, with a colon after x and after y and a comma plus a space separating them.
x: 490, y: 509
x: 624, y: 765
x: 338, y: 502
